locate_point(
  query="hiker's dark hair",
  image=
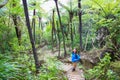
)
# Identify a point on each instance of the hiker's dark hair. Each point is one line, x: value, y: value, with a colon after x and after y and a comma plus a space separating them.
x: 76, y: 50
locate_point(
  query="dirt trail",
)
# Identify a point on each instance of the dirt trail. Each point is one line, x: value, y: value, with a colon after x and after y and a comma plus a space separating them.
x: 67, y: 67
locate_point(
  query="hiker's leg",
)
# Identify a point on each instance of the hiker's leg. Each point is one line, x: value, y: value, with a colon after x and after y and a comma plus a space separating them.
x: 74, y: 66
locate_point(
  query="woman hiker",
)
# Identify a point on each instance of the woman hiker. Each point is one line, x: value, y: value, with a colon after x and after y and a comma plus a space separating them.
x: 75, y: 58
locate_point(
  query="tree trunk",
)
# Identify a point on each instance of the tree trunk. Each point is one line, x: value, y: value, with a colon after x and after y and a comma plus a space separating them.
x: 33, y: 24
x: 58, y: 31
x: 39, y: 28
x: 54, y: 29
x: 71, y: 17
x: 61, y: 26
x: 52, y: 36
x: 86, y: 41
x: 80, y: 23
x: 17, y: 29
x: 30, y: 35
x: 74, y: 29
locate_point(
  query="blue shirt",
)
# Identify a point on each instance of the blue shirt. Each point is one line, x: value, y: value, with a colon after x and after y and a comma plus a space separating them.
x: 75, y: 57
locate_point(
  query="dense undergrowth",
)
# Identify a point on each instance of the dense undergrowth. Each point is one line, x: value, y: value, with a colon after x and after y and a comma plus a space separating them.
x: 22, y: 67
x: 102, y: 71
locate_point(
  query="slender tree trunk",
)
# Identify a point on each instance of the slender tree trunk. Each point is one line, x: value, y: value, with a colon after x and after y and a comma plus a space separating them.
x: 71, y: 17
x: 53, y: 29
x: 74, y: 29
x: 17, y: 29
x: 30, y: 35
x: 58, y: 31
x: 55, y: 33
x: 80, y: 23
x: 42, y: 26
x: 42, y: 30
x: 61, y: 26
x: 68, y: 26
x: 52, y: 32
x: 33, y: 24
x: 39, y: 28
x: 86, y: 42
x: 71, y: 36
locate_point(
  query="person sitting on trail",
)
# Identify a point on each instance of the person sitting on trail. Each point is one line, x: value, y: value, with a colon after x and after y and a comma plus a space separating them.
x: 75, y: 58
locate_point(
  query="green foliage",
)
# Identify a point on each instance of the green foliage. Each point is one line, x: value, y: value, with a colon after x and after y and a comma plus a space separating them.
x: 47, y: 34
x: 15, y: 68
x: 51, y: 70
x: 115, y: 31
x: 16, y: 9
x: 113, y: 40
x: 106, y: 8
x: 22, y: 67
x: 115, y: 66
x: 7, y: 35
x: 102, y: 71
x: 96, y: 13
x: 101, y: 13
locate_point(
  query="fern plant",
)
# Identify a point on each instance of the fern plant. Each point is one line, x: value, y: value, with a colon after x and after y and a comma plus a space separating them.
x: 102, y: 71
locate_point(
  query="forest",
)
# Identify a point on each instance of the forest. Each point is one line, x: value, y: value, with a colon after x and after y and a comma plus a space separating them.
x: 38, y: 38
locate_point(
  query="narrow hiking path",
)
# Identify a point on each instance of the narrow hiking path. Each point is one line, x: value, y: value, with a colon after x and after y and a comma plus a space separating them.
x: 66, y: 67
x: 76, y: 75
